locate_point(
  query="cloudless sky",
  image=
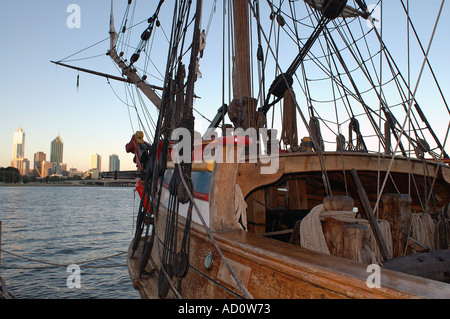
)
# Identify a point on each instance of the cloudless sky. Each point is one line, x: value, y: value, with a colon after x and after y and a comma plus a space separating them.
x: 43, y: 98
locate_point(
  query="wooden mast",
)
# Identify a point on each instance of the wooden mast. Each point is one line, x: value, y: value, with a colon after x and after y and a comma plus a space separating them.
x: 222, y: 192
x: 241, y: 61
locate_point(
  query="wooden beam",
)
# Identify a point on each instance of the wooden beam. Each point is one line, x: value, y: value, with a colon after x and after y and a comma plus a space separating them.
x: 417, y: 245
x: 105, y: 75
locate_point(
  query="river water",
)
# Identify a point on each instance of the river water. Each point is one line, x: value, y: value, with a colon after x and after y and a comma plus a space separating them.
x: 66, y: 225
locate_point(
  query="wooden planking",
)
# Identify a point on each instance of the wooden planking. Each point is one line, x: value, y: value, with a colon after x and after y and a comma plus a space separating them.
x: 298, y: 197
x: 337, y: 276
x: 433, y: 265
x: 256, y: 212
x: 280, y: 270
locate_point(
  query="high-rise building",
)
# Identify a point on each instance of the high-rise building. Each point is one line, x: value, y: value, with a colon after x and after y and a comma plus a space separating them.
x: 96, y: 162
x: 19, y: 161
x: 19, y: 144
x: 114, y: 163
x: 22, y: 164
x: 39, y: 157
x: 47, y: 168
x: 56, y: 150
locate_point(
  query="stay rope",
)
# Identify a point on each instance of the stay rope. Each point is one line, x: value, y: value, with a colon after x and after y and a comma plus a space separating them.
x: 57, y: 265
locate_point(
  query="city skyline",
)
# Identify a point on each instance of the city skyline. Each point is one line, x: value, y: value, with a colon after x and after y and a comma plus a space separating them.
x: 27, y: 154
x: 51, y: 102
x: 40, y: 163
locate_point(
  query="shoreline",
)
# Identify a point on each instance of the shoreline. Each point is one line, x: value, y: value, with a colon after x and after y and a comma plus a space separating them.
x: 65, y: 184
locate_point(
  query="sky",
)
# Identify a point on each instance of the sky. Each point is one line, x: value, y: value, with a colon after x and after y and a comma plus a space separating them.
x: 44, y: 100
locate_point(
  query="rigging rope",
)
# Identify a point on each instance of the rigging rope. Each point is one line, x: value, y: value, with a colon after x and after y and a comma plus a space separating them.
x: 410, y: 104
x: 56, y: 265
x: 424, y: 229
x: 244, y: 290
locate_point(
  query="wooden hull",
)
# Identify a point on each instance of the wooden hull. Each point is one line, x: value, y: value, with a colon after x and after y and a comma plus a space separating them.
x: 269, y: 268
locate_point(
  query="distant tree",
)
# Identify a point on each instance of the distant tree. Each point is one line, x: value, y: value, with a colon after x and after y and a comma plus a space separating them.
x: 9, y: 175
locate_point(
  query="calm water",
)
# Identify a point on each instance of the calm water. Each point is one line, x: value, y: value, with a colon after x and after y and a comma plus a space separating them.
x: 66, y: 225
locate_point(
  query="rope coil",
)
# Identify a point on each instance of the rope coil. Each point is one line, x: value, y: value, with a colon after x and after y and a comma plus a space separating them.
x: 312, y: 236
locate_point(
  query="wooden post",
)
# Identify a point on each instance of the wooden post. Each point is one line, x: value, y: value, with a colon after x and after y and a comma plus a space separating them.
x: 353, y: 238
x: 333, y: 231
x: 344, y: 239
x: 365, y: 203
x: 397, y: 212
x: 222, y: 196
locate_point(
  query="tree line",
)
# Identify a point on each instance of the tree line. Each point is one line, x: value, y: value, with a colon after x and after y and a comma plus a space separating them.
x: 11, y: 175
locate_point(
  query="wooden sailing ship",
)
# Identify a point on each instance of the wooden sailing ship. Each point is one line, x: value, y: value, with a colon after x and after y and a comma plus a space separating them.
x: 345, y: 223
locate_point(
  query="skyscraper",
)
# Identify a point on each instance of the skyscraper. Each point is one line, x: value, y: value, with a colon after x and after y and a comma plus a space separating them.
x: 19, y: 161
x: 114, y: 163
x: 39, y: 157
x: 19, y: 144
x: 96, y: 162
x: 56, y: 150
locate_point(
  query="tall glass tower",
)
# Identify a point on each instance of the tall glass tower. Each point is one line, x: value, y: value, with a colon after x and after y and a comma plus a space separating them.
x: 114, y: 163
x: 19, y: 144
x: 19, y: 161
x: 56, y: 150
x: 96, y: 162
